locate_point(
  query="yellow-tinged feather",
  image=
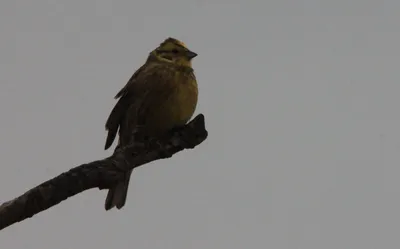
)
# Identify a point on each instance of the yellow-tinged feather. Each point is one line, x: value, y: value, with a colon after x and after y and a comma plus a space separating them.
x: 161, y: 95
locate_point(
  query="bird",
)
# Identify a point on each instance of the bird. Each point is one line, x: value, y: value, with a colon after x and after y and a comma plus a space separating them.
x: 160, y: 96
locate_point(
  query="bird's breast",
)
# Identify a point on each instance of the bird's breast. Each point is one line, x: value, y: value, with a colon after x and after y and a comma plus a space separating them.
x: 175, y: 107
x: 182, y: 102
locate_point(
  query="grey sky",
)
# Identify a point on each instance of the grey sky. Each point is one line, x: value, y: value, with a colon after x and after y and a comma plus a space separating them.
x: 301, y: 100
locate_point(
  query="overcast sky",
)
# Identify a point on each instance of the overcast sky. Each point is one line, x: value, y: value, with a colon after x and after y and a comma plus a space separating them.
x: 301, y: 100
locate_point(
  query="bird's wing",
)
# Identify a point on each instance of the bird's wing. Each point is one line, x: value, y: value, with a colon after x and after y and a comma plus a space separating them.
x: 126, y: 96
x: 146, y: 87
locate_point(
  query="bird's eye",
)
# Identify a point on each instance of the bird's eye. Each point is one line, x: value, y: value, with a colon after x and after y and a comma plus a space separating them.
x: 175, y: 51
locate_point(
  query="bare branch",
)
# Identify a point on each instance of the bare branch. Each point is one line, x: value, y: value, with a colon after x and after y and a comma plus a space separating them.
x: 100, y: 174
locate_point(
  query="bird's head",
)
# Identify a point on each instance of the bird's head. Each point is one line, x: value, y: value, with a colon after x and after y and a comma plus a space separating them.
x: 174, y: 51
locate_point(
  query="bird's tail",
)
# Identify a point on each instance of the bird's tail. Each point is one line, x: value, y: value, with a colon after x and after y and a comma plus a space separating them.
x: 116, y: 196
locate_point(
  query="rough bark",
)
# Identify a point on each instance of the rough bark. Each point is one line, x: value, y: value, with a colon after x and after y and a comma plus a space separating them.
x: 100, y: 174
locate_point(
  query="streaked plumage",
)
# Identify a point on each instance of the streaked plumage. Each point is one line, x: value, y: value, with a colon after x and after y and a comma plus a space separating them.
x: 161, y: 95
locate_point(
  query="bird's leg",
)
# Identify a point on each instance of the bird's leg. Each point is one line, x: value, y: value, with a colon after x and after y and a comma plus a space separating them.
x: 184, y: 139
x: 176, y: 129
x: 158, y: 142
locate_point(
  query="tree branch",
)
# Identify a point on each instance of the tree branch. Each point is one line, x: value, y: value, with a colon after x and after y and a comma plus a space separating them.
x: 100, y: 174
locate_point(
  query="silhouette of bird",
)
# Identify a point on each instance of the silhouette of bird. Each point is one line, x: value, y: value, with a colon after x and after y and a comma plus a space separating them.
x: 161, y: 95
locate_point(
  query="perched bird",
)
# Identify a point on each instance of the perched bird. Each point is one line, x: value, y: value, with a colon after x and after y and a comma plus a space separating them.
x: 161, y: 95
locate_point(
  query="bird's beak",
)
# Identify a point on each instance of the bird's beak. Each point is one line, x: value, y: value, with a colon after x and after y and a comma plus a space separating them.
x: 190, y: 54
